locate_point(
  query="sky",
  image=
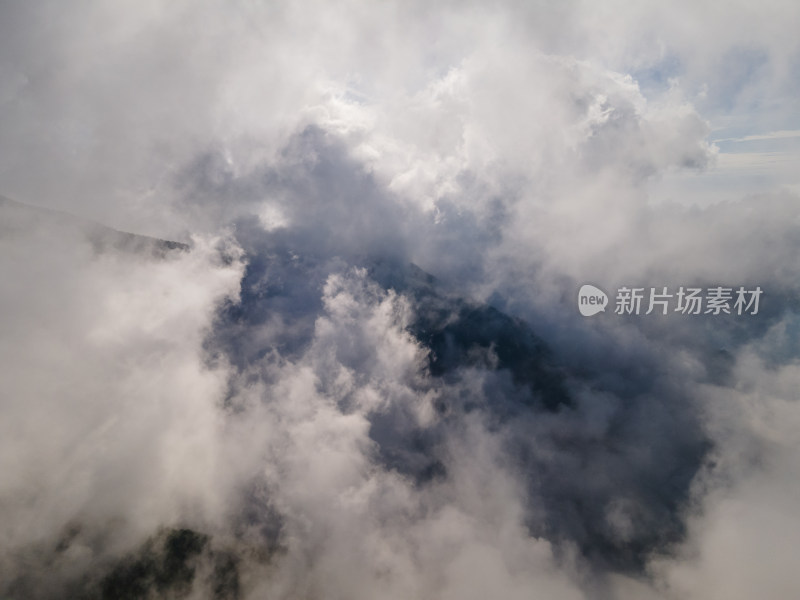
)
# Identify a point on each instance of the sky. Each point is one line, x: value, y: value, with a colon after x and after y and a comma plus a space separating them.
x: 361, y: 371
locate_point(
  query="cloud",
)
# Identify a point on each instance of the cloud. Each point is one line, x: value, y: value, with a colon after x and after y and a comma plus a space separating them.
x: 109, y: 414
x: 364, y: 375
x: 772, y: 135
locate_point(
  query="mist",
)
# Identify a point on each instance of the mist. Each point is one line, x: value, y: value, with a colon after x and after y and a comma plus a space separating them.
x: 289, y: 301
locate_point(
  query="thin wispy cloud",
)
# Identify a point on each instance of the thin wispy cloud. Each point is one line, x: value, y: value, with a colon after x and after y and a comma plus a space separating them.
x: 772, y: 135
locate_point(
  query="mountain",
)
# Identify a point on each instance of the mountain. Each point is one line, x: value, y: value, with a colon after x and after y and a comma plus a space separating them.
x: 604, y: 468
x: 579, y: 469
x: 17, y: 218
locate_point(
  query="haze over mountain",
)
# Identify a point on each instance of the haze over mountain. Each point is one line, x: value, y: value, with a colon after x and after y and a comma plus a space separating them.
x: 346, y: 359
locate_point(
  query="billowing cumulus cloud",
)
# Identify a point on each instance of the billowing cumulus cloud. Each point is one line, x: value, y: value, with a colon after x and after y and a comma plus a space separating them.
x: 326, y: 342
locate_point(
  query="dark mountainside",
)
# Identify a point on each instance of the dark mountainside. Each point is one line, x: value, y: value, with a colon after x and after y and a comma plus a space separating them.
x: 646, y: 458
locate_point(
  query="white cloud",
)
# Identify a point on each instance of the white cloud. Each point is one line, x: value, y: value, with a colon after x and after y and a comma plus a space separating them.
x: 109, y: 413
x: 511, y: 151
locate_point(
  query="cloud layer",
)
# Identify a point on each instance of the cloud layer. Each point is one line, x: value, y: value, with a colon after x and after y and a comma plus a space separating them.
x: 365, y: 374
